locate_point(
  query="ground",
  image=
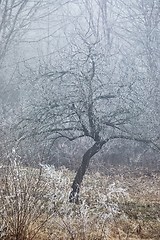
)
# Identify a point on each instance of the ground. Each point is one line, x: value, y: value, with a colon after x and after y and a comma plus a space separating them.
x: 124, y: 204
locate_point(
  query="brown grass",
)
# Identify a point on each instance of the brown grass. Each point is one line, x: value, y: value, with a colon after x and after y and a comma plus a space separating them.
x: 34, y: 205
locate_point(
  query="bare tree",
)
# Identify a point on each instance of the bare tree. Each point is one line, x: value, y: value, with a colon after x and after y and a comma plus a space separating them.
x: 82, y: 101
x: 91, y: 90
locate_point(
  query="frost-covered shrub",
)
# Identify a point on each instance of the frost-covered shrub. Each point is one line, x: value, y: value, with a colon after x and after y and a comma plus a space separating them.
x: 23, y: 202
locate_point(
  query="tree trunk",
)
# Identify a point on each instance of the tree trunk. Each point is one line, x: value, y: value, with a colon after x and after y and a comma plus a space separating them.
x: 74, y: 195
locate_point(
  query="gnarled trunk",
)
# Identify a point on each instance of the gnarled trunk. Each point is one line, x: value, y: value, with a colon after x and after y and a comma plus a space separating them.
x: 74, y: 195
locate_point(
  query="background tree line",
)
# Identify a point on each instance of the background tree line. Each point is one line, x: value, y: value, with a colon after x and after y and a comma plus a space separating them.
x: 76, y: 76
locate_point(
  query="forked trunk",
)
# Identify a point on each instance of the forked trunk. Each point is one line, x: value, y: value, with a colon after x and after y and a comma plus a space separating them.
x: 74, y: 195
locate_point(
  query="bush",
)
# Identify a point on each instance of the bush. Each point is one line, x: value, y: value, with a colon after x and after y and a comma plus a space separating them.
x: 23, y: 202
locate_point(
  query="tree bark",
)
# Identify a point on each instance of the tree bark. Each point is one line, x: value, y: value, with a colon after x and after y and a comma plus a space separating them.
x: 74, y: 195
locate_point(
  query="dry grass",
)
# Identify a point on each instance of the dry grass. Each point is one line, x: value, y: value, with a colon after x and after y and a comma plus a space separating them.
x: 34, y: 205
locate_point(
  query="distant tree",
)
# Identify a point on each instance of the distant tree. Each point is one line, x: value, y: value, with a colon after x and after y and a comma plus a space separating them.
x: 15, y: 16
x: 142, y: 29
x: 15, y: 19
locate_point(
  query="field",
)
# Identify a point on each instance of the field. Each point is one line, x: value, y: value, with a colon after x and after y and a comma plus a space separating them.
x: 124, y: 205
